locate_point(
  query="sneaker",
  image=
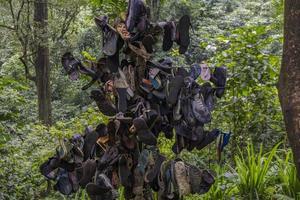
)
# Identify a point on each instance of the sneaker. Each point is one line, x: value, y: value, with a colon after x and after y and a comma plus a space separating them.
x: 200, y: 180
x: 195, y: 71
x: 182, y: 178
x: 200, y: 110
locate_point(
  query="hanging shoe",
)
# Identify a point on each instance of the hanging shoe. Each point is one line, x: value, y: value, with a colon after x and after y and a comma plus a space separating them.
x: 135, y: 13
x: 64, y: 185
x: 89, y: 142
x: 175, y: 85
x: 209, y: 138
x: 124, y: 169
x: 139, y: 49
x: 200, y: 110
x: 104, y: 105
x: 87, y: 171
x: 200, y: 180
x: 169, y: 29
x: 71, y: 65
x: 153, y: 173
x: 195, y: 71
x: 148, y: 42
x: 101, y: 186
x: 143, y: 133
x: 183, y: 29
x: 219, y: 79
x: 208, y: 95
x: 49, y: 168
x: 205, y: 72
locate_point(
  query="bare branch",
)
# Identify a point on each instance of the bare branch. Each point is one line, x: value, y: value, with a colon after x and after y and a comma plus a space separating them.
x: 7, y: 27
x: 27, y: 73
x: 20, y: 10
x: 69, y: 18
x: 12, y: 11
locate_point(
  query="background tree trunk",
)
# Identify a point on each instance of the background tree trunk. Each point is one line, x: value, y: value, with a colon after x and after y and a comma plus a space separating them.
x: 42, y: 65
x: 154, y: 6
x: 289, y: 81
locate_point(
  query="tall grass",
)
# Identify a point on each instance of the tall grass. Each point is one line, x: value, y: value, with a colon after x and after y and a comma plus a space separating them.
x: 289, y: 184
x: 252, y: 171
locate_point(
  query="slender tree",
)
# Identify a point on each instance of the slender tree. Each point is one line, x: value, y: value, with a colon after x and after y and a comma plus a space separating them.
x: 42, y: 64
x: 154, y: 8
x: 289, y: 81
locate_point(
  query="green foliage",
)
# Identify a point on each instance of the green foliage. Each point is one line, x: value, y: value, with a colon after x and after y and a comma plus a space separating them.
x: 224, y: 187
x: 245, y: 35
x: 113, y: 8
x: 252, y: 172
x: 21, y: 157
x: 289, y: 184
x: 251, y: 104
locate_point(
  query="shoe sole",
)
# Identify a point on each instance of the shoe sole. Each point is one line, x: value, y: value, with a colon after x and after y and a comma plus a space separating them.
x: 167, y: 40
x: 184, y: 35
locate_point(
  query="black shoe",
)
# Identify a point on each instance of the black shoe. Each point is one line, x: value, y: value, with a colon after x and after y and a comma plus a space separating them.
x: 143, y: 133
x: 64, y: 185
x: 174, y: 87
x: 125, y: 175
x: 209, y: 138
x: 183, y: 29
x: 219, y: 79
x: 86, y: 172
x: 168, y: 32
x: 104, y: 105
x: 101, y: 185
x: 136, y: 10
x: 208, y: 95
x: 148, y: 43
x: 49, y: 168
x: 200, y: 110
x: 153, y: 173
x: 71, y: 65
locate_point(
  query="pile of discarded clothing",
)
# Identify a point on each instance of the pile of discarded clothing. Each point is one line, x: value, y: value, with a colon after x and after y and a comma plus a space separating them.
x: 143, y: 98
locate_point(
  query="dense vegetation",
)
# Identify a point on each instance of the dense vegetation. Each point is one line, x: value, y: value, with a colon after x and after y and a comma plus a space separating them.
x: 246, y: 36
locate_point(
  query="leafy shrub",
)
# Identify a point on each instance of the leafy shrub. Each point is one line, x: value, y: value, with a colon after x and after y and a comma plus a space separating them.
x: 288, y: 183
x: 252, y: 172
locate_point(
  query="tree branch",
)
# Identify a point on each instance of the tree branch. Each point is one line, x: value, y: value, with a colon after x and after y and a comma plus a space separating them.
x: 7, y: 27
x: 20, y: 10
x: 27, y: 73
x: 12, y: 11
x: 69, y: 18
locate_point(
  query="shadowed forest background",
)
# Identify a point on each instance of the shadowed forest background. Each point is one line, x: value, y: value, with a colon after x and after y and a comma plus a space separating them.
x: 244, y: 35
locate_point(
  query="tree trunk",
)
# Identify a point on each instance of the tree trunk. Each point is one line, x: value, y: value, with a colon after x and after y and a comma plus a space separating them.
x: 289, y: 80
x: 154, y: 6
x: 42, y: 65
